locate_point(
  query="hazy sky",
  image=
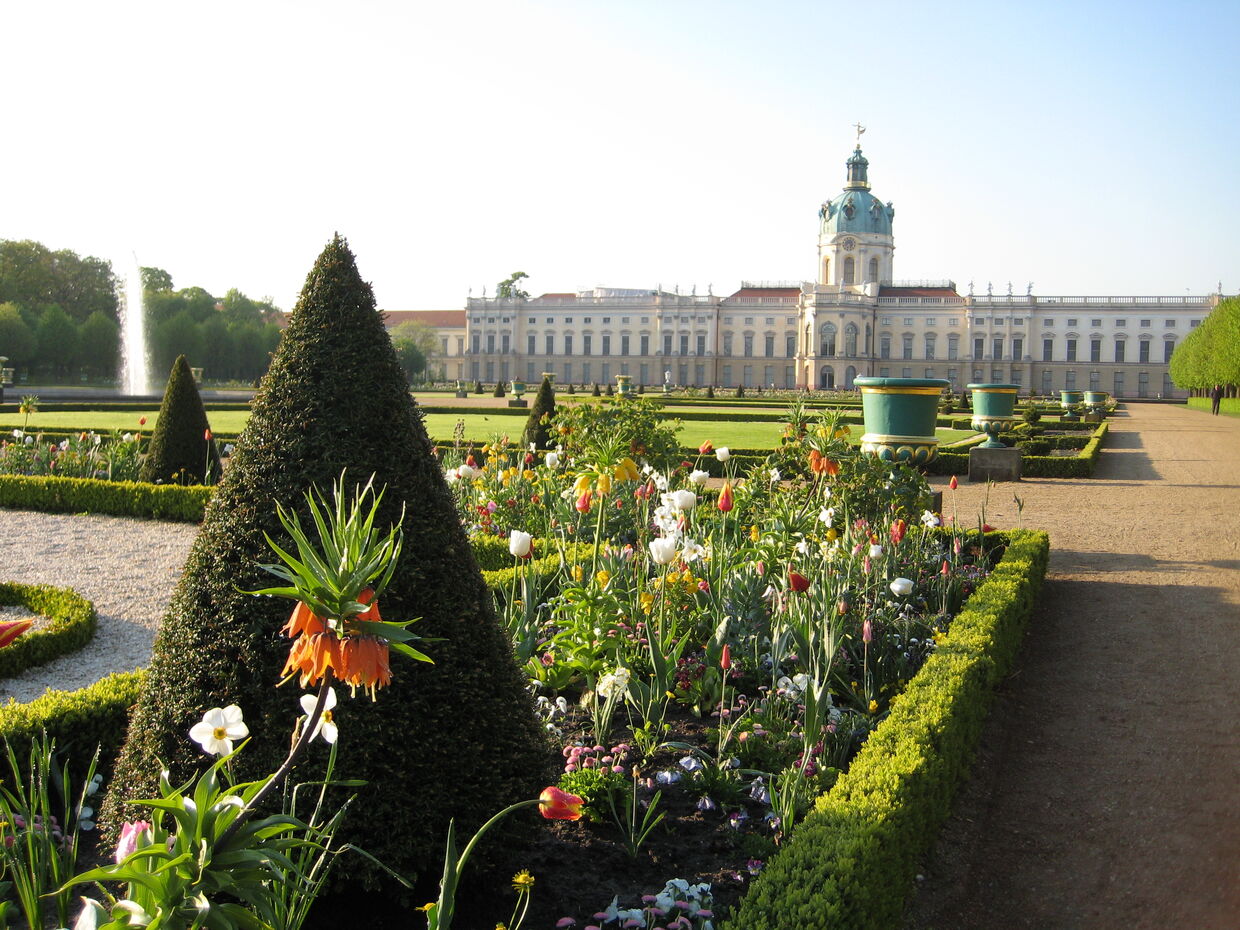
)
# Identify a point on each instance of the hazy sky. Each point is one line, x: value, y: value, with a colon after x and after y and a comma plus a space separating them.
x: 1088, y: 147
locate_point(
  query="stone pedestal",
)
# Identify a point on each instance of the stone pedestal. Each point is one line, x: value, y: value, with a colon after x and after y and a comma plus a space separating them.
x: 994, y: 464
x: 518, y: 403
x: 1094, y: 417
x: 462, y: 393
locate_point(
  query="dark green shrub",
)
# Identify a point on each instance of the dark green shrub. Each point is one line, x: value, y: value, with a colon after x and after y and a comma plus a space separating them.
x: 710, y: 391
x: 477, y: 387
x: 610, y: 390
x: 572, y: 388
x: 596, y: 392
x: 456, y: 739
x: 499, y: 389
x: 182, y: 450
x: 72, y: 625
x: 1031, y: 414
x: 537, y: 427
x: 740, y: 390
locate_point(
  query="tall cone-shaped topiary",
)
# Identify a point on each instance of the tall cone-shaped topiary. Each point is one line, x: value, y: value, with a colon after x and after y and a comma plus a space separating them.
x: 180, y: 452
x: 454, y: 739
x: 538, y: 425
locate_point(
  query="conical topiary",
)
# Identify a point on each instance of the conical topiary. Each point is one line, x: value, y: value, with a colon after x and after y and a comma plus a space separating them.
x: 180, y: 450
x: 454, y: 739
x: 596, y: 392
x: 538, y: 425
x: 499, y: 389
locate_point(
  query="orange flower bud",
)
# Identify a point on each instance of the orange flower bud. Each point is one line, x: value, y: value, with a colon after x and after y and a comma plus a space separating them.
x: 725, y: 497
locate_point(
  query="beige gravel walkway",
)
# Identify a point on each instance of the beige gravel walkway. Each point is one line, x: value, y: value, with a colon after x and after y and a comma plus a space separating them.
x: 1107, y: 793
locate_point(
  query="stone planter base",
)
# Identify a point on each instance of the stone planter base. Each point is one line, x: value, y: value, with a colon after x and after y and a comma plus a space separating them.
x: 462, y: 393
x: 518, y: 403
x: 994, y: 464
x: 1094, y: 417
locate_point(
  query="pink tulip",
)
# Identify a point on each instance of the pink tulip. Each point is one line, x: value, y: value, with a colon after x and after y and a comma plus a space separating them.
x: 130, y: 834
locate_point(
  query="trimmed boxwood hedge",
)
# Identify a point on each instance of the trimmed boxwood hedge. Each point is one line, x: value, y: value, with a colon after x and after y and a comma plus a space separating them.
x: 117, y: 498
x: 73, y: 623
x: 78, y: 720
x: 1037, y: 466
x: 851, y: 863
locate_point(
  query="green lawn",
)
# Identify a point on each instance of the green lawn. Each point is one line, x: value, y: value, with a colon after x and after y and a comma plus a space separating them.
x: 478, y: 426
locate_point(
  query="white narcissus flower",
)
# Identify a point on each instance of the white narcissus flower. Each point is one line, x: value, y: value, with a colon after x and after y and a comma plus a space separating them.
x: 218, y: 728
x: 552, y: 460
x: 902, y: 587
x: 663, y: 550
x: 775, y: 476
x: 519, y: 543
x: 614, y: 684
x: 326, y: 726
x: 697, y: 476
x: 683, y: 500
x: 929, y: 519
x: 723, y: 453
x: 827, y: 515
x: 692, y: 551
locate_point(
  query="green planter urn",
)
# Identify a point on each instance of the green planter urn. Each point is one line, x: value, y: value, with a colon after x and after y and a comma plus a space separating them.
x: 1069, y: 400
x: 900, y: 416
x: 994, y: 410
x: 1096, y: 401
x: 624, y: 385
x: 518, y: 388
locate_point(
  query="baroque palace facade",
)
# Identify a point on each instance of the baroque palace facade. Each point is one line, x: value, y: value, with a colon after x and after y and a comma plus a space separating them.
x: 852, y: 321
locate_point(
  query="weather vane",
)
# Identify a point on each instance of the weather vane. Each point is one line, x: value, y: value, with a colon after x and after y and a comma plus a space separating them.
x: 860, y: 130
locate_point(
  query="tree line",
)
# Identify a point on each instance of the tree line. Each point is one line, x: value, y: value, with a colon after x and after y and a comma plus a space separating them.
x: 60, y: 319
x: 1210, y: 354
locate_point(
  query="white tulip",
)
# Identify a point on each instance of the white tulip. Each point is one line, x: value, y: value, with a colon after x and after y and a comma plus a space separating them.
x: 697, y: 476
x: 902, y: 587
x: 519, y: 543
x: 723, y: 453
x: 875, y: 551
x: 662, y: 550
x: 465, y: 472
x: 552, y: 460
x: 684, y: 500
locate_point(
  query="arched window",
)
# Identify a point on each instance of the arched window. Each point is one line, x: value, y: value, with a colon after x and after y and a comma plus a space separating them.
x: 849, y: 271
x: 828, y: 339
x: 850, y: 339
x: 873, y: 270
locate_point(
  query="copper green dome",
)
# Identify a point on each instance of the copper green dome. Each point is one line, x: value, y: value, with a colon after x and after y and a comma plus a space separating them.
x: 856, y: 210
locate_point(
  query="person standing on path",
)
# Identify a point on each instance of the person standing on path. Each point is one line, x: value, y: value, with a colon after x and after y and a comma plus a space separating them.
x: 1216, y: 397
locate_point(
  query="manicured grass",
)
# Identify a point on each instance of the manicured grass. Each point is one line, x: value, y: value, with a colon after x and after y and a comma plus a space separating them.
x: 479, y: 427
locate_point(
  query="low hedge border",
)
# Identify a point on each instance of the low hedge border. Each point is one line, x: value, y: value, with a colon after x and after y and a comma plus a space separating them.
x: 96, y: 715
x: 1081, y: 465
x: 851, y: 863
x: 116, y: 498
x: 72, y: 625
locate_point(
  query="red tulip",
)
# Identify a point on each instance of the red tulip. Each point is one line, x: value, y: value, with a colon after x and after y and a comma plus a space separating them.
x: 987, y: 528
x: 953, y: 484
x: 725, y: 497
x: 706, y: 448
x: 867, y: 631
x: 898, y: 529
x: 206, y: 434
x: 142, y: 421
x: 469, y: 460
x: 797, y: 582
x: 555, y: 804
x: 945, y: 570
x: 583, y: 502
x: 725, y: 660
x: 11, y: 629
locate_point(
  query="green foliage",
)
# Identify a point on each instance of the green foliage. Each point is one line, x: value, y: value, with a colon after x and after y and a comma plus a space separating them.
x: 1210, y: 354
x: 79, y: 721
x: 637, y: 424
x: 17, y: 340
x: 181, y: 452
x: 118, y: 498
x: 72, y: 625
x: 510, y: 287
x: 33, y: 276
x: 595, y: 392
x: 852, y: 861
x: 542, y: 412
x: 740, y: 390
x: 459, y: 736
x: 600, y: 789
x: 499, y: 389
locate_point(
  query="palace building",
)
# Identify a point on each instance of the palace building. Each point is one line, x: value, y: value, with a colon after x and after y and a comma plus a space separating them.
x: 853, y: 320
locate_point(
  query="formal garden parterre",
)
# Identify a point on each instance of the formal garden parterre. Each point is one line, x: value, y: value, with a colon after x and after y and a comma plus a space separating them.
x: 716, y: 678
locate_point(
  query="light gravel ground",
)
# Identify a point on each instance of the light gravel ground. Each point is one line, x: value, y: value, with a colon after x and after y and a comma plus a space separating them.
x: 128, y: 568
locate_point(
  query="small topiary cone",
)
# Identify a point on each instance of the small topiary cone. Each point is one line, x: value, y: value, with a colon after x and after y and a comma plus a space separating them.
x: 180, y: 450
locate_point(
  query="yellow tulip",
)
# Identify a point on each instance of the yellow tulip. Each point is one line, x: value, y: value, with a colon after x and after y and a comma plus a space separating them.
x: 754, y: 534
x: 602, y: 576
x: 527, y: 475
x: 832, y: 534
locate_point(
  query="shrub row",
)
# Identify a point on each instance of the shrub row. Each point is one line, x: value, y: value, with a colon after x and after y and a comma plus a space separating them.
x: 72, y: 625
x: 106, y: 406
x: 117, y: 498
x: 1037, y: 466
x: 96, y: 715
x: 851, y: 863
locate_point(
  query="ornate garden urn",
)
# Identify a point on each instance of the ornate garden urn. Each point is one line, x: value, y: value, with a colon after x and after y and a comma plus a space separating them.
x: 900, y: 416
x: 994, y: 410
x: 1068, y: 400
x: 1096, y: 401
x: 624, y: 385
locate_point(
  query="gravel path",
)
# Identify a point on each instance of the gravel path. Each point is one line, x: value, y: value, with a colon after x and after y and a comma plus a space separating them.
x: 1105, y: 791
x: 128, y: 568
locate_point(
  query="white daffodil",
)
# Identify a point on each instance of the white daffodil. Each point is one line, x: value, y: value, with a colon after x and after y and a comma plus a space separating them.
x: 697, y: 476
x: 827, y: 515
x: 326, y: 726
x: 614, y: 684
x: 663, y: 550
x: 774, y: 476
x: 218, y: 728
x: 691, y: 551
x: 519, y: 543
x: 901, y: 587
x: 929, y: 519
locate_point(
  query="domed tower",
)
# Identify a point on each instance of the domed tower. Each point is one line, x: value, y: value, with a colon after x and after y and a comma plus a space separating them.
x: 854, y: 239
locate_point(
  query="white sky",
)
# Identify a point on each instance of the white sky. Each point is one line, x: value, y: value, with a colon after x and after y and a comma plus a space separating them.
x: 1089, y: 147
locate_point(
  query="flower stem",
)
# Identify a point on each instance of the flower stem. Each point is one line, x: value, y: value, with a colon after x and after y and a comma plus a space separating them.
x: 286, y: 766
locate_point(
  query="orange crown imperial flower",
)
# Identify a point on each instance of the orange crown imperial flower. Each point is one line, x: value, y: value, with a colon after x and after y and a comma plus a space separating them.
x: 304, y: 620
x: 555, y: 804
x: 311, y: 656
x: 364, y: 663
